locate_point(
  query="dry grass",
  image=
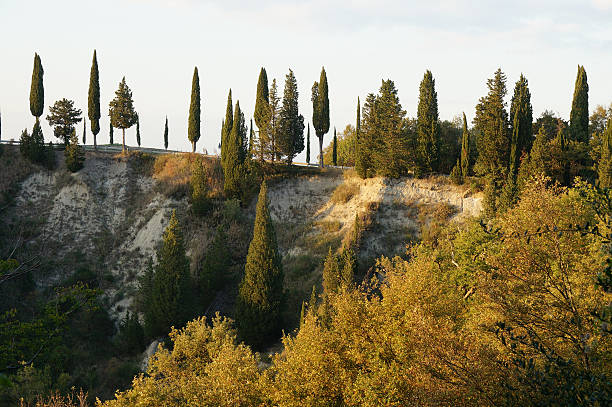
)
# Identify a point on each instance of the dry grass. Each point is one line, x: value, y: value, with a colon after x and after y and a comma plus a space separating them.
x: 73, y: 399
x: 329, y: 226
x: 345, y: 192
x: 173, y: 173
x: 14, y: 169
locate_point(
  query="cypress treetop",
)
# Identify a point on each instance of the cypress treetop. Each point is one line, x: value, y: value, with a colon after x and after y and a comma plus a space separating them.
x: 320, y: 110
x: 262, y: 112
x: 260, y: 295
x: 226, y: 128
x: 166, y: 134
x: 428, y: 133
x: 291, y: 123
x: 521, y: 118
x: 93, y: 97
x: 37, y: 90
x: 194, y: 110
x: 465, y: 149
x: 604, y: 167
x: 121, y: 109
x: 235, y: 154
x: 579, y: 116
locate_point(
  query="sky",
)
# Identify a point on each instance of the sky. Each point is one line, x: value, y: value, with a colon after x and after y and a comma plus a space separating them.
x: 156, y: 44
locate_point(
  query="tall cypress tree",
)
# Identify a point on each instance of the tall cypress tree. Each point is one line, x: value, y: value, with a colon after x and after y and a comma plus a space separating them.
x: 235, y: 154
x: 84, y: 131
x: 428, y: 130
x: 226, y: 128
x: 465, y: 149
x: 110, y: 134
x: 308, y: 145
x: 360, y: 164
x: 93, y: 98
x: 579, y: 116
x: 262, y: 111
x: 166, y: 134
x: 258, y: 308
x: 138, y: 130
x: 369, y: 139
x: 335, y: 149
x: 604, y: 167
x: 521, y: 118
x: 320, y: 110
x: 37, y: 90
x: 194, y: 111
x: 250, y: 151
x: 121, y: 109
x: 273, y: 130
x: 291, y: 123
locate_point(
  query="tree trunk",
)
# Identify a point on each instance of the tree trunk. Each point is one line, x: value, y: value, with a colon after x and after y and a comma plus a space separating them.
x: 123, y: 141
x: 193, y: 146
x: 95, y: 144
x: 320, y: 151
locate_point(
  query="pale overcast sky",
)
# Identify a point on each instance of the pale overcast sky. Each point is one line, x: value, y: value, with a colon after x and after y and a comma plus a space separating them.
x: 157, y: 43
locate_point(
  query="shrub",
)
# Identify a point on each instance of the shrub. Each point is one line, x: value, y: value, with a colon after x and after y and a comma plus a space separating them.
x: 75, y: 157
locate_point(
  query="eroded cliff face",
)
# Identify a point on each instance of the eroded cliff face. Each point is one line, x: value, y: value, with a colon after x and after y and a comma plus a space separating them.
x: 110, y: 217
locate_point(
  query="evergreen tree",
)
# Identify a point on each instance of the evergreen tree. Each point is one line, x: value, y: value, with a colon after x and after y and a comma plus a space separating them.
x: 62, y: 117
x: 389, y: 153
x: 521, y: 119
x: 121, y: 109
x: 74, y: 155
x: 226, y: 128
x: 428, y: 130
x: 235, y: 154
x: 214, y: 270
x: 491, y: 126
x: 508, y: 196
x: 84, y: 131
x: 110, y: 134
x: 331, y: 273
x: 258, y: 308
x: 138, y: 130
x: 194, y: 110
x: 308, y: 145
x: 335, y: 149
x: 349, y: 266
x: 262, y: 112
x: 32, y: 146
x: 274, y: 120
x: 291, y: 123
x: 465, y: 150
x: 320, y: 110
x: 93, y: 98
x: 171, y: 286
x: 250, y: 151
x: 37, y: 90
x: 200, y: 202
x: 456, y: 176
x: 369, y: 139
x: 360, y: 163
x: 604, y: 167
x: 166, y: 134
x: 579, y: 116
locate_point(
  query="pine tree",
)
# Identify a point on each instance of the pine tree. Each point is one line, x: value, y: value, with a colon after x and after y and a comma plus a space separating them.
x: 308, y: 145
x: 579, y: 116
x: 491, y: 126
x: 320, y: 110
x: 428, y: 131
x: 521, y: 118
x: 93, y: 98
x: 274, y: 120
x: 121, y: 109
x: 260, y: 298
x: 138, y: 130
x: 262, y: 112
x: 74, y: 155
x: 465, y: 150
x: 390, y: 149
x: 604, y: 167
x: 194, y: 110
x: 84, y: 131
x: 62, y: 117
x: 235, y: 154
x: 171, y: 285
x: 226, y: 128
x: 291, y: 123
x: 369, y: 139
x: 37, y: 90
x: 335, y: 149
x: 166, y: 134
x: 110, y: 134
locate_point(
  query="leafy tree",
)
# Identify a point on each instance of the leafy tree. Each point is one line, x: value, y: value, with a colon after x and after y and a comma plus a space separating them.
x: 428, y: 130
x: 74, y: 155
x: 235, y: 154
x: 605, y: 161
x: 335, y: 149
x: 320, y: 110
x: 262, y: 112
x: 170, y: 296
x: 579, y: 115
x: 62, y: 117
x: 194, y: 110
x: 138, y: 130
x: 465, y: 149
x: 491, y: 126
x: 37, y: 90
x: 291, y: 124
x: 166, y: 134
x: 521, y: 118
x: 121, y: 110
x: 308, y: 145
x: 93, y: 98
x: 258, y: 308
x: 110, y: 134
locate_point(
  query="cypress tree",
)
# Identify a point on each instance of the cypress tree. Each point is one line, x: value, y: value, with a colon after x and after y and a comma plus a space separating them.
x: 194, y: 110
x: 262, y: 111
x: 37, y: 90
x: 121, y: 109
x: 349, y: 266
x: 84, y: 131
x: 360, y: 162
x: 93, y: 98
x: 110, y: 134
x: 166, y: 134
x: 335, y: 149
x: 455, y: 175
x: 233, y: 147
x: 331, y: 273
x: 226, y: 128
x: 258, y: 308
x: 138, y: 130
x: 291, y: 123
x: 428, y: 131
x: 200, y: 203
x: 214, y: 269
x: 389, y: 145
x: 308, y: 145
x: 273, y: 130
x: 465, y: 150
x: 320, y: 110
x: 604, y: 167
x: 521, y: 119
x: 250, y: 153
x: 171, y: 285
x: 579, y: 116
